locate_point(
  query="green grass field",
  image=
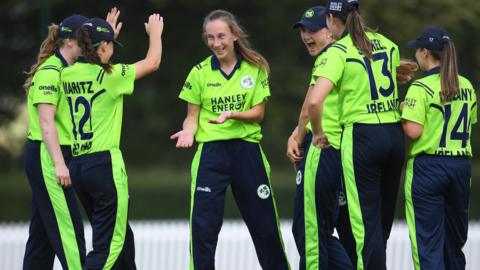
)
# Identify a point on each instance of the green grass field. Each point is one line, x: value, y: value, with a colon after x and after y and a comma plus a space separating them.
x: 164, y: 193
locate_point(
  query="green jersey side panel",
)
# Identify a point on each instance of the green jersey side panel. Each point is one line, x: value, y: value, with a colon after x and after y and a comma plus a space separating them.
x: 45, y: 89
x: 216, y: 93
x: 367, y: 87
x: 95, y: 99
x: 446, y: 127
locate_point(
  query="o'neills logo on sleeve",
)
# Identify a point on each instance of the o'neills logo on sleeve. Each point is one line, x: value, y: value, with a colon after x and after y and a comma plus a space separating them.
x: 228, y: 103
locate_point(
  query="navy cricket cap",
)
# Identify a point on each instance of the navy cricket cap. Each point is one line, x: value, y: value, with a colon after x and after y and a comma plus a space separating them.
x: 68, y: 27
x: 342, y: 7
x: 313, y: 19
x: 432, y: 38
x: 100, y: 30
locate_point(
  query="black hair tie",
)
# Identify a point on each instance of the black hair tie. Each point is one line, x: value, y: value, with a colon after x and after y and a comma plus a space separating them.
x: 445, y: 39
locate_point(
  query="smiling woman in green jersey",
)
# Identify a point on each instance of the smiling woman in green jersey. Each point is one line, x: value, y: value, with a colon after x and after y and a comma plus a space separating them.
x: 226, y: 95
x: 319, y: 170
x: 55, y: 225
x: 438, y: 112
x: 95, y: 89
x: 362, y: 65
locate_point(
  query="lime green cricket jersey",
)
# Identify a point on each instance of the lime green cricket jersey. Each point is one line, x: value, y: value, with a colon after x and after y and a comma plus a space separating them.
x: 95, y: 100
x: 216, y: 92
x: 446, y: 127
x: 330, y: 117
x: 367, y: 87
x: 45, y: 88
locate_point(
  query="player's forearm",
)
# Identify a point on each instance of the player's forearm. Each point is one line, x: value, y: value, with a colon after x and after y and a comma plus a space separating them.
x: 302, y: 121
x: 50, y: 138
x: 154, y: 53
x: 253, y: 115
x: 191, y: 124
x: 315, y: 112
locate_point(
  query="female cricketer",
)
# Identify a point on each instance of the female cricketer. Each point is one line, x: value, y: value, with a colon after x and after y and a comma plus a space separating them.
x: 438, y: 113
x: 362, y: 66
x: 95, y: 89
x: 226, y: 95
x: 56, y: 226
x: 319, y: 171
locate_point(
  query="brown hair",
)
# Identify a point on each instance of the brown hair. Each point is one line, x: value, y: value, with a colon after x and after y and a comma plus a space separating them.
x: 357, y: 29
x: 48, y: 47
x: 448, y: 70
x: 242, y: 45
x: 89, y: 52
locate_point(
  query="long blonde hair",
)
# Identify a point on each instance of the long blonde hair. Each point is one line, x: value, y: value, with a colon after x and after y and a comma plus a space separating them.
x: 242, y: 45
x: 355, y: 26
x: 448, y: 70
x: 48, y: 47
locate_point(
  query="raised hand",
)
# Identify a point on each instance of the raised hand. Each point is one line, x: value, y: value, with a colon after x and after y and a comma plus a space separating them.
x: 222, y: 118
x: 154, y: 26
x: 112, y: 18
x: 184, y: 138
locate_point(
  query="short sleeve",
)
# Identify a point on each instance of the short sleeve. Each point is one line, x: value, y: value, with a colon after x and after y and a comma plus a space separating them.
x: 415, y: 105
x: 262, y: 88
x: 45, y: 86
x: 318, y: 62
x: 331, y: 65
x: 120, y: 81
x: 191, y: 90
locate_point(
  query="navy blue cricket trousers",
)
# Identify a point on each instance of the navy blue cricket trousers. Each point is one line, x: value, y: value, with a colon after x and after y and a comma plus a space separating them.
x: 56, y: 226
x: 372, y: 161
x: 243, y: 166
x: 437, y: 191
x: 100, y: 181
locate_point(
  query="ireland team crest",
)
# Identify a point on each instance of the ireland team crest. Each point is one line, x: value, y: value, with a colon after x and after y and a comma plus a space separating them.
x: 247, y: 82
x: 299, y: 177
x: 263, y: 192
x: 309, y: 13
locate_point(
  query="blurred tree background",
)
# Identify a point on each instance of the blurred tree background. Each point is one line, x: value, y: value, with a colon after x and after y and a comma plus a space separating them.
x: 159, y: 173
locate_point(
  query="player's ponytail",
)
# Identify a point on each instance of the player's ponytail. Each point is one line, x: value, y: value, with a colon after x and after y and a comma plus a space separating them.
x: 242, y: 45
x: 48, y: 47
x: 89, y: 52
x: 355, y: 25
x: 448, y: 70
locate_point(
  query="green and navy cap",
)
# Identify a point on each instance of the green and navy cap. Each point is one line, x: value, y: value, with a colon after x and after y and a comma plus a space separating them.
x: 313, y: 19
x: 100, y: 31
x: 68, y: 27
x: 342, y: 7
x: 432, y: 38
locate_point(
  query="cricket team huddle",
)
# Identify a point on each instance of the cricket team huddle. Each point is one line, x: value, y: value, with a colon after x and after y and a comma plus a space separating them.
x: 347, y: 148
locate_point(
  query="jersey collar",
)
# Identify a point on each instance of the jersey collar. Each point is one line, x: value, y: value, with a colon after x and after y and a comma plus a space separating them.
x: 59, y: 56
x: 435, y: 70
x: 344, y: 34
x: 81, y: 59
x: 325, y: 48
x: 216, y: 66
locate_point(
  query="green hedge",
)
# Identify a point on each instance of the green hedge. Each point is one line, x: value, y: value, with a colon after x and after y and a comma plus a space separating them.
x: 164, y: 193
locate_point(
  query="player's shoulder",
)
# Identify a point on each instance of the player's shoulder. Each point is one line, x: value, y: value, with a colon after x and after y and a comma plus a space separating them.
x: 426, y: 84
x: 51, y: 64
x: 341, y: 46
x: 201, y: 66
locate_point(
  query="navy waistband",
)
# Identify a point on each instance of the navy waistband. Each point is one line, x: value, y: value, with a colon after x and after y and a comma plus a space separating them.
x: 438, y: 157
x: 92, y: 155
